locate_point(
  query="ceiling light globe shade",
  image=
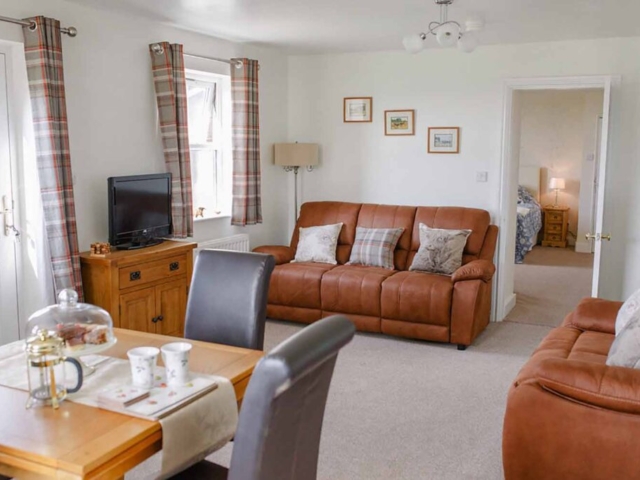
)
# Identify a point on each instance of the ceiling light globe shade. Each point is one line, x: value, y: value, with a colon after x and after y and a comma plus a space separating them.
x: 447, y: 35
x: 413, y: 43
x: 467, y: 43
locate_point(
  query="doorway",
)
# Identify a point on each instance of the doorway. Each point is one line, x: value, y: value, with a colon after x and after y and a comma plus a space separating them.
x: 9, y: 305
x: 554, y: 146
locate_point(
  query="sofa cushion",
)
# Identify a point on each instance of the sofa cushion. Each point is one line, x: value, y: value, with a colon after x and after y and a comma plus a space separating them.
x: 354, y: 289
x: 453, y: 218
x: 625, y: 351
x: 318, y: 244
x: 440, y: 250
x: 297, y: 284
x: 391, y: 216
x: 417, y: 297
x: 629, y: 312
x: 313, y: 214
x: 374, y: 247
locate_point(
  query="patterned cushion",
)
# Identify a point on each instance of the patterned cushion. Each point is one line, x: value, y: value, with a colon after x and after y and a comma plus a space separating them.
x: 625, y: 350
x: 630, y: 311
x: 318, y: 244
x: 374, y: 247
x: 440, y: 250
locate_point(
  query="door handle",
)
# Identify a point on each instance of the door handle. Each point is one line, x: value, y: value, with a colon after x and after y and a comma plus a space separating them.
x: 589, y: 236
x: 606, y: 237
x: 7, y: 212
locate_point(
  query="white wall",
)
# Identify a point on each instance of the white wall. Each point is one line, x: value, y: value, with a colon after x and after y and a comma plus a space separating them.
x: 112, y: 110
x: 448, y: 88
x: 556, y: 126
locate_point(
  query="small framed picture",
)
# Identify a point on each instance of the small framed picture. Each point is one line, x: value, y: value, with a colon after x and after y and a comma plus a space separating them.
x: 358, y: 109
x: 444, y: 140
x: 400, y: 122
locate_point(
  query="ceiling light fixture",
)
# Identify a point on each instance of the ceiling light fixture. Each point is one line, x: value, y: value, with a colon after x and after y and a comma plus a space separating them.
x: 447, y: 32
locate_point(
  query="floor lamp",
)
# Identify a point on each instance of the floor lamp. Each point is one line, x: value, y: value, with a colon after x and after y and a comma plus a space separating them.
x: 292, y: 156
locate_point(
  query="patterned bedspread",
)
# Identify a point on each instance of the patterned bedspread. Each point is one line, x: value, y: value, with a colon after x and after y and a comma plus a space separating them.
x: 529, y: 223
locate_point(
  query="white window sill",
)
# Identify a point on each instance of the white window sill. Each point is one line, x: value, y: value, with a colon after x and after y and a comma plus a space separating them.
x: 212, y: 217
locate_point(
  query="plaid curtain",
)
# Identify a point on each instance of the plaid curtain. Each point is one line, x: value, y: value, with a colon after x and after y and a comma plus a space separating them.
x: 43, y: 51
x: 247, y: 203
x: 171, y: 96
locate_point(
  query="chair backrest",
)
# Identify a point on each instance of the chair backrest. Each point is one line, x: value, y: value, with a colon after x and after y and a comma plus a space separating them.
x: 278, y: 435
x: 228, y: 298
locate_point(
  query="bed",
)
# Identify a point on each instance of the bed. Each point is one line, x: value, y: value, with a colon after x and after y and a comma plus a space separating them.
x: 529, y: 212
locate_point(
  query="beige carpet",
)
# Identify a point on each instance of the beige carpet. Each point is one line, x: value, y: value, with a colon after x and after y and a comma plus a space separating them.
x: 412, y: 410
x: 549, y: 284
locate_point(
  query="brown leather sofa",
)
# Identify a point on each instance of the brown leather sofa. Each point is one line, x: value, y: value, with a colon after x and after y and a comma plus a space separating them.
x: 417, y: 305
x: 569, y: 415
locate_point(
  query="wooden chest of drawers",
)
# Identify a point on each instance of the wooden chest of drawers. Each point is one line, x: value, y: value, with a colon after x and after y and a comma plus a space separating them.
x: 144, y: 289
x: 556, y: 224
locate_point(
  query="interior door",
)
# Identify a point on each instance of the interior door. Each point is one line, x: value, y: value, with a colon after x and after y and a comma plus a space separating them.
x: 171, y: 305
x: 601, y: 238
x: 9, y: 314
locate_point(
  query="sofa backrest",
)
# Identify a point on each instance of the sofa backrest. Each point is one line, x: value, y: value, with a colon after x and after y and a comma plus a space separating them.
x: 391, y: 216
x: 454, y: 218
x: 313, y: 214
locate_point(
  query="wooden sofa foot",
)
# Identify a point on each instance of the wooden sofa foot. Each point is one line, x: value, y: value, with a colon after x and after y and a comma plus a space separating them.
x: 462, y: 347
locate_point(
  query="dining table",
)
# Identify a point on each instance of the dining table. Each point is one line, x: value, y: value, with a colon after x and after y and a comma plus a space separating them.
x: 78, y: 441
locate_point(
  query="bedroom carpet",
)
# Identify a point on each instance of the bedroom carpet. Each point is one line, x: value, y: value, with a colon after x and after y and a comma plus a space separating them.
x: 401, y: 409
x: 549, y: 284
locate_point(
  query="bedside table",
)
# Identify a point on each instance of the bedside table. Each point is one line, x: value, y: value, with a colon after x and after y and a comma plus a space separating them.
x: 556, y: 224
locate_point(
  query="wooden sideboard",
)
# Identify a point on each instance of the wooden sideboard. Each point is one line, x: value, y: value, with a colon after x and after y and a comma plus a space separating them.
x: 145, y: 289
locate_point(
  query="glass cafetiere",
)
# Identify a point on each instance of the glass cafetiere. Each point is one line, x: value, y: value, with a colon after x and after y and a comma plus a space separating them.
x: 46, y: 372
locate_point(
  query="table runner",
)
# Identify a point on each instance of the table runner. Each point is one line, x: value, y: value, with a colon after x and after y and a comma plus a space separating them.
x: 188, y: 434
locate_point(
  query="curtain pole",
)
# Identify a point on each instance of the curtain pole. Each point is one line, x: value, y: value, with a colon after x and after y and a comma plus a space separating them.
x: 71, y: 31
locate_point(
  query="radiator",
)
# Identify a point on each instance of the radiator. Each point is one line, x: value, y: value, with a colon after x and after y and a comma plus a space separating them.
x: 238, y: 243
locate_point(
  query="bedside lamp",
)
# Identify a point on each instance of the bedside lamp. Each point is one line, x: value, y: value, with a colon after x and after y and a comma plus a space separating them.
x: 292, y: 156
x: 556, y: 184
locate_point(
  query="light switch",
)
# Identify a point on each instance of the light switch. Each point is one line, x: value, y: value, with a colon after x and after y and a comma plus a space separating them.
x: 482, y: 177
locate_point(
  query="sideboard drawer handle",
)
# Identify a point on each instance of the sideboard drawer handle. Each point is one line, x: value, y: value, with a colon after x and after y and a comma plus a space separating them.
x: 174, y: 266
x: 133, y: 276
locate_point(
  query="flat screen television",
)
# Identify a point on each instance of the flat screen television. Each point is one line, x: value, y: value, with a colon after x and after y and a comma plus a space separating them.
x: 139, y: 210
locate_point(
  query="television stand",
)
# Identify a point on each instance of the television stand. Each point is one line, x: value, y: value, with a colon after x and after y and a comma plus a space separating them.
x: 135, y: 245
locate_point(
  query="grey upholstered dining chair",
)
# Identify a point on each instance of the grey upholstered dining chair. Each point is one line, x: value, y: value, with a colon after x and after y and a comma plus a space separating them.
x: 228, y: 298
x: 278, y: 435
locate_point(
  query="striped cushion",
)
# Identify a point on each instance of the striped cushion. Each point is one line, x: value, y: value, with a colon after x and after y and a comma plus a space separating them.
x: 374, y: 247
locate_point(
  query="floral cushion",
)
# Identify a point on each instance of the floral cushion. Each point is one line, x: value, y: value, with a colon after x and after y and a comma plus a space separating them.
x: 440, y: 250
x: 374, y: 247
x: 625, y: 350
x: 630, y: 311
x: 318, y: 244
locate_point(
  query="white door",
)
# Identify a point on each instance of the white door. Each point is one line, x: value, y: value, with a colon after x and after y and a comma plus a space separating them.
x: 9, y: 323
x: 600, y: 237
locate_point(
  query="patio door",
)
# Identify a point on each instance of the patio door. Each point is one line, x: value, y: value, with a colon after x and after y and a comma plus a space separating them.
x: 9, y: 311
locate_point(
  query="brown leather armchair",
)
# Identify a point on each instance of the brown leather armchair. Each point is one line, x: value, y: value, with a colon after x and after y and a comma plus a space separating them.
x: 396, y: 302
x: 569, y: 415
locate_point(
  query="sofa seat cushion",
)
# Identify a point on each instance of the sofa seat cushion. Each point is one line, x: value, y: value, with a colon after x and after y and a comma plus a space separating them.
x: 297, y: 284
x: 418, y: 297
x: 572, y: 344
x: 354, y: 289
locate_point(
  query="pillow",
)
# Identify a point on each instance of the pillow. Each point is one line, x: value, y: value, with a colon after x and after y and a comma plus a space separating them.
x: 440, y: 250
x: 374, y: 247
x: 630, y: 311
x: 625, y: 350
x: 318, y: 244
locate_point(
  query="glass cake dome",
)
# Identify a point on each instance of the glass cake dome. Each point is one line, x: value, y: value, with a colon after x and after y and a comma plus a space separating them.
x: 83, y: 327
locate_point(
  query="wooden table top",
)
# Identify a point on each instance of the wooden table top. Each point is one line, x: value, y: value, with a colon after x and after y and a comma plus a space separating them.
x: 77, y: 441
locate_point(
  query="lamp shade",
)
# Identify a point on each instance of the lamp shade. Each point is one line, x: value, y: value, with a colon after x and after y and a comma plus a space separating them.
x: 556, y: 183
x: 295, y: 154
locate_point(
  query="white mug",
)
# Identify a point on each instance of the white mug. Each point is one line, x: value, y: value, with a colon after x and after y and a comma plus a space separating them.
x: 176, y: 361
x: 143, y: 365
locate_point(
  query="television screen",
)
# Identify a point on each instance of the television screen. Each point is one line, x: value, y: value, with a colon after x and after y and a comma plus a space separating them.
x: 139, y: 209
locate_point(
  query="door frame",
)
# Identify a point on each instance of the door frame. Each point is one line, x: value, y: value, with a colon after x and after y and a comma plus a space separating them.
x: 505, y: 296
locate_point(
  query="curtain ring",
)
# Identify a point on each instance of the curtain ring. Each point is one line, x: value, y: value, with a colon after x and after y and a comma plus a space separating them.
x: 33, y: 27
x: 157, y: 49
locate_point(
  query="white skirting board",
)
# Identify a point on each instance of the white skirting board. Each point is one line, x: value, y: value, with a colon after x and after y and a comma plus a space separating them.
x: 237, y: 243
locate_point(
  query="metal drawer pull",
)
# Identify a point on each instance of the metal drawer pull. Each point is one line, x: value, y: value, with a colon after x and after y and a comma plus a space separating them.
x: 174, y: 266
x: 133, y: 276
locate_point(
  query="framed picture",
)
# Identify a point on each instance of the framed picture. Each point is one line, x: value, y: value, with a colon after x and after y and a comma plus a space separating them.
x: 358, y: 109
x: 444, y: 140
x: 400, y: 122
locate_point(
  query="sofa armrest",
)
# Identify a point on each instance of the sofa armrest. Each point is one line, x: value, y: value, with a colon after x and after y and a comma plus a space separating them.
x: 475, y: 270
x: 594, y: 314
x: 281, y: 253
x: 598, y: 385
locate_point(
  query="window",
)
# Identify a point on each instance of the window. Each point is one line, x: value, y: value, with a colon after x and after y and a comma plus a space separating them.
x: 209, y: 107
